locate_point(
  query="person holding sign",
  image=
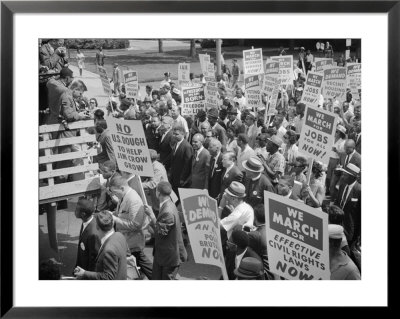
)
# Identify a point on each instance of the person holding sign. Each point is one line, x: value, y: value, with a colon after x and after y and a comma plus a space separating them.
x: 169, y: 250
x: 131, y: 221
x: 314, y: 193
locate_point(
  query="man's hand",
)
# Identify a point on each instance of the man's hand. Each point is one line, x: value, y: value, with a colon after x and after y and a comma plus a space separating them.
x: 79, y: 272
x: 83, y: 116
x: 148, y: 211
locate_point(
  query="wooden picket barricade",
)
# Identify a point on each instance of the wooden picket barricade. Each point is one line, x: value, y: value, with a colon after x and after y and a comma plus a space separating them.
x: 51, y: 192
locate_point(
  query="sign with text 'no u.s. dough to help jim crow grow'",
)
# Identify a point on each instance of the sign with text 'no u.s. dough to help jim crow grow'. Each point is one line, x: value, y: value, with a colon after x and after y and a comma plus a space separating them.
x: 202, y: 223
x: 193, y: 100
x: 130, y: 146
x: 317, y: 134
x: 253, y: 61
x: 286, y: 75
x: 297, y: 239
x: 334, y: 85
x: 131, y: 84
x: 312, y: 89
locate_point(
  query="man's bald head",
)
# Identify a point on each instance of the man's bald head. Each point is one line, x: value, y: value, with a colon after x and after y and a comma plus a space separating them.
x: 349, y: 146
x: 198, y: 137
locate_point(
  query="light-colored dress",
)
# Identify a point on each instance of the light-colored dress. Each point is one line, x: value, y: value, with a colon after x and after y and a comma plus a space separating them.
x: 81, y: 58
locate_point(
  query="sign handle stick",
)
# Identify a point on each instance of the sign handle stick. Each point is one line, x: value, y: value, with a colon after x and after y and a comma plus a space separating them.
x: 111, y: 105
x: 309, y: 171
x: 143, y: 195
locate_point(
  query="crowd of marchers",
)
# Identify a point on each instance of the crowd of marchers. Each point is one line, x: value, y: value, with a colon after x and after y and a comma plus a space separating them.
x: 231, y: 150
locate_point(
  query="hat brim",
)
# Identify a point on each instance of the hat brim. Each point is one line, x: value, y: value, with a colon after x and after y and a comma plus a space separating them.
x: 234, y: 195
x: 244, y: 164
x: 242, y: 275
x: 268, y: 139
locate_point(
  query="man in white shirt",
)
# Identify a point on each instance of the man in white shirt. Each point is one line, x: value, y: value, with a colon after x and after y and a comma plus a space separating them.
x: 179, y: 120
x: 241, y: 100
x: 245, y: 151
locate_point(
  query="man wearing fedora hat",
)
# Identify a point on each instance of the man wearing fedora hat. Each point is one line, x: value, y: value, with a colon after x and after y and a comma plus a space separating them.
x: 217, y: 129
x: 349, y: 200
x: 255, y: 182
x: 233, y: 120
x: 241, y: 212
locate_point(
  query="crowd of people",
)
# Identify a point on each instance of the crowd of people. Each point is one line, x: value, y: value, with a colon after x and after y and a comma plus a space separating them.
x: 232, y: 150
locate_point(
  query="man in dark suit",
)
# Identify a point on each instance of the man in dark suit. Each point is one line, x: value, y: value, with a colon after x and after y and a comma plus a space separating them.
x: 234, y: 121
x: 200, y: 163
x: 181, y: 160
x: 218, y: 130
x: 111, y: 259
x: 356, y: 135
x: 152, y: 133
x: 169, y: 250
x: 89, y: 241
x: 216, y: 168
x: 349, y: 200
x: 230, y: 173
x: 166, y: 142
x: 351, y: 156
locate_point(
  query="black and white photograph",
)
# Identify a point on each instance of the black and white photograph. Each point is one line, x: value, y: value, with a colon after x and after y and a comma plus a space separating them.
x: 200, y: 159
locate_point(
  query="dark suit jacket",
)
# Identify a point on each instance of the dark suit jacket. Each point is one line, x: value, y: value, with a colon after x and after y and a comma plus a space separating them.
x: 169, y: 250
x: 230, y: 261
x: 355, y: 159
x: 352, y: 211
x: 181, y: 165
x: 153, y: 139
x: 49, y: 58
x: 255, y: 189
x: 55, y: 90
x: 234, y: 174
x: 88, y: 247
x: 220, y: 134
x: 201, y: 170
x: 111, y: 260
x: 215, y: 177
x: 353, y: 136
x: 165, y: 150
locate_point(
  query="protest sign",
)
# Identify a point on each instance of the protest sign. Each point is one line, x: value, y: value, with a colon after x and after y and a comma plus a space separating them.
x: 317, y: 134
x: 209, y: 74
x: 204, y: 60
x: 334, y: 84
x: 252, y: 86
x: 104, y: 80
x: 183, y: 74
x: 286, y: 75
x: 193, y: 100
x: 131, y: 84
x: 253, y: 61
x: 202, y: 223
x: 354, y: 79
x: 297, y: 239
x: 270, y: 77
x: 211, y: 94
x: 130, y: 146
x: 322, y: 64
x: 312, y: 89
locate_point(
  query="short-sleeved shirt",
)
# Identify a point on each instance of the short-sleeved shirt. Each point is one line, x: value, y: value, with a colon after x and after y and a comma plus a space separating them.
x: 276, y: 162
x: 345, y: 270
x: 243, y: 214
x: 298, y: 123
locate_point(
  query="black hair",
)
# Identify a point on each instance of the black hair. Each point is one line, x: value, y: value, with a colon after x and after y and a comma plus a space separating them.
x: 49, y: 270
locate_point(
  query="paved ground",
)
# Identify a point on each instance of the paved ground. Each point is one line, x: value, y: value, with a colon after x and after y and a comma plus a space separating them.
x: 68, y: 227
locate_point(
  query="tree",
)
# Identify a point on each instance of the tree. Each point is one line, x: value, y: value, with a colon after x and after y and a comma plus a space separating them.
x: 160, y: 46
x: 192, y: 52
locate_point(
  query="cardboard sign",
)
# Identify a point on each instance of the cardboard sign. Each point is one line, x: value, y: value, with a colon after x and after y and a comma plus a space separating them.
x: 312, y: 89
x: 202, y: 223
x: 297, y: 239
x: 317, y: 134
x: 209, y: 74
x: 334, y: 85
x: 204, y: 60
x: 270, y: 77
x: 193, y: 100
x: 211, y: 94
x: 183, y: 74
x: 131, y: 84
x: 252, y: 86
x: 354, y: 79
x: 348, y: 42
x: 130, y: 146
x: 322, y: 64
x: 286, y: 74
x: 104, y: 80
x: 253, y: 61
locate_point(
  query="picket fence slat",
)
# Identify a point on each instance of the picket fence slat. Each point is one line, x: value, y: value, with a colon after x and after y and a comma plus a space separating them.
x: 68, y: 170
x: 60, y: 127
x: 56, y: 192
x: 66, y: 156
x: 67, y: 141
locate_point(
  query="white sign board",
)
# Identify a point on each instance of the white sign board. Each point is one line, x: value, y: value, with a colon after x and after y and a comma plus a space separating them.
x: 183, y: 74
x: 312, y: 89
x: 193, y: 100
x: 286, y: 74
x: 131, y: 84
x: 253, y: 61
x: 104, y: 80
x: 334, y: 84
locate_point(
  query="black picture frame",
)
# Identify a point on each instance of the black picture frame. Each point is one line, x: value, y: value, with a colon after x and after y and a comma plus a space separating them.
x: 9, y: 8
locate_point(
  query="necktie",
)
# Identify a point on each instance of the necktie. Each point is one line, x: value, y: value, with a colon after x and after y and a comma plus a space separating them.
x: 195, y: 155
x: 347, y: 160
x: 212, y: 166
x: 343, y: 201
x: 80, y: 232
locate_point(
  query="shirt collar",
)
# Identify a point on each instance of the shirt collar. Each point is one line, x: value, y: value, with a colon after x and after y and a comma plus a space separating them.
x: 108, y: 235
x: 257, y: 177
x: 162, y: 203
x: 87, y: 223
